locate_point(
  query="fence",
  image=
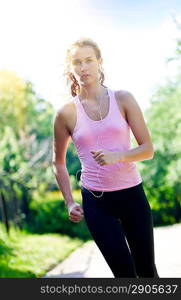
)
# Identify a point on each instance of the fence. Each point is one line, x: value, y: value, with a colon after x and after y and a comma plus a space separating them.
x: 14, y: 201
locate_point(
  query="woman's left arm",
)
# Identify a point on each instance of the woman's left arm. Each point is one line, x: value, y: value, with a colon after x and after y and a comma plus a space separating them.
x: 140, y: 131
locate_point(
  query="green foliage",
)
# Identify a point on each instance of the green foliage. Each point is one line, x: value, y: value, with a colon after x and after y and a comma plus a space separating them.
x: 49, y: 214
x: 162, y: 174
x: 26, y: 131
x: 22, y: 110
x: 26, y: 125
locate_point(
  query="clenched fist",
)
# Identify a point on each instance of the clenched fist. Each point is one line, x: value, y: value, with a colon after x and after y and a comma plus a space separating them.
x: 75, y: 212
x: 105, y: 157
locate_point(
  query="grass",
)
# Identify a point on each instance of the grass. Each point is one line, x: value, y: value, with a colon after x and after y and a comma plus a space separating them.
x: 31, y: 255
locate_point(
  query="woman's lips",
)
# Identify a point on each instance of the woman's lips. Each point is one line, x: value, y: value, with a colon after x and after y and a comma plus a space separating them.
x: 84, y: 76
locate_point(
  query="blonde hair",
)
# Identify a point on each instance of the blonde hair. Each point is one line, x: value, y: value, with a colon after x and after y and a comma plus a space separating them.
x: 81, y: 42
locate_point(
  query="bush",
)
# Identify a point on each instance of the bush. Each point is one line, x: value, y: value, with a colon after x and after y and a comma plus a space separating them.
x: 49, y: 215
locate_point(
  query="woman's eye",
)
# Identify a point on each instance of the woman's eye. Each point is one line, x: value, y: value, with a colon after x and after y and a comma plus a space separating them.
x: 78, y: 62
x: 89, y: 60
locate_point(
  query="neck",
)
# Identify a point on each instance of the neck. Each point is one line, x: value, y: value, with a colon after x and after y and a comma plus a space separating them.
x: 90, y: 92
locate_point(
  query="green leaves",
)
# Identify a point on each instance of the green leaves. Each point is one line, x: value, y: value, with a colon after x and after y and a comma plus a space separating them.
x: 163, y: 172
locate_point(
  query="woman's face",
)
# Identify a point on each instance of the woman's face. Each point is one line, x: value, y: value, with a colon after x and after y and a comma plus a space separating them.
x: 85, y: 65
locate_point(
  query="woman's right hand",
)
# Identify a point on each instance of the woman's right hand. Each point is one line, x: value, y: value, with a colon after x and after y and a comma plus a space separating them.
x: 75, y: 212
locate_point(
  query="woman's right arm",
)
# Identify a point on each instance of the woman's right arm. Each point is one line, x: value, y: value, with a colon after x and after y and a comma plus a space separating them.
x: 60, y: 145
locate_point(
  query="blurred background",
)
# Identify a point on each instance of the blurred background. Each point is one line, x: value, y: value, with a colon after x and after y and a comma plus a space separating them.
x: 141, y: 50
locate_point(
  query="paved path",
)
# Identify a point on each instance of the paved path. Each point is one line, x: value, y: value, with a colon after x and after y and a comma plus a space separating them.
x: 87, y: 261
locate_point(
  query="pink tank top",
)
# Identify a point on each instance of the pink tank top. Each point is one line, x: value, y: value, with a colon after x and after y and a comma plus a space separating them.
x: 113, y: 134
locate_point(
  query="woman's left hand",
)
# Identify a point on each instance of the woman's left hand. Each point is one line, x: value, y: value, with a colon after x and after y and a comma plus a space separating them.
x: 105, y: 157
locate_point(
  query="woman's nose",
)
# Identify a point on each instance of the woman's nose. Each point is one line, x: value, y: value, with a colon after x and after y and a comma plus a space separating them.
x: 83, y: 66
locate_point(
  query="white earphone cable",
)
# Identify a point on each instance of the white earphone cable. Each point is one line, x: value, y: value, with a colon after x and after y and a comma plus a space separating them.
x: 98, y: 169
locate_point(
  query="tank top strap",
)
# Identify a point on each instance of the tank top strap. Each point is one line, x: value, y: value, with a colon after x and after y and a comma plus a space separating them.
x: 114, y: 108
x: 79, y: 108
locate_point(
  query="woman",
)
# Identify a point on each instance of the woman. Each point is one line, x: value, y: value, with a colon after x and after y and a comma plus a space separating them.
x: 114, y: 203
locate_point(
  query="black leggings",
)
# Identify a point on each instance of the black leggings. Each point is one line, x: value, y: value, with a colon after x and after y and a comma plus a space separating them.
x: 121, y: 225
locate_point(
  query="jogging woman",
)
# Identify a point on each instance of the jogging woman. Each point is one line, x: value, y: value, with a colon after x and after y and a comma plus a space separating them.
x: 114, y: 204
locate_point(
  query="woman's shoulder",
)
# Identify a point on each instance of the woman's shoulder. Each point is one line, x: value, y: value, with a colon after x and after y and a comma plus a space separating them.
x: 125, y: 98
x: 66, y: 109
x: 122, y: 94
x: 65, y: 116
